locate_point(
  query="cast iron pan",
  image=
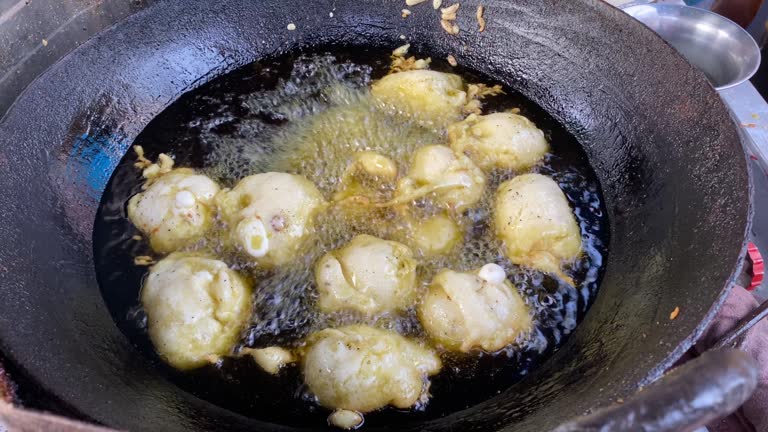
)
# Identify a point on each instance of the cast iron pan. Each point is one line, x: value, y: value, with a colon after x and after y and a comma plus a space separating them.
x: 664, y: 148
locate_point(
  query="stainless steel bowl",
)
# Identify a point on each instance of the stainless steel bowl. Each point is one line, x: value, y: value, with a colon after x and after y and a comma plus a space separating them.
x: 719, y: 47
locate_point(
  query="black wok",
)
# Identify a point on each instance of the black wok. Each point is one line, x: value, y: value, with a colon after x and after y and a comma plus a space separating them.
x: 666, y: 153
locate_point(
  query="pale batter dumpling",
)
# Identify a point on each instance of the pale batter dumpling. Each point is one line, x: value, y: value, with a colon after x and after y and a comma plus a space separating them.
x: 368, y: 177
x: 481, y: 309
x: 449, y: 178
x: 499, y: 140
x: 368, y: 275
x: 533, y: 219
x: 435, y: 235
x: 425, y: 95
x: 271, y: 359
x: 175, y: 210
x: 196, y: 308
x: 270, y: 214
x: 360, y: 368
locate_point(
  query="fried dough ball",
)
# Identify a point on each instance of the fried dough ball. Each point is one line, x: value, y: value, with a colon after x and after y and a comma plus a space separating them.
x: 424, y: 95
x: 481, y: 309
x: 368, y: 274
x: 175, y: 210
x: 360, y: 368
x: 367, y: 176
x: 271, y: 359
x: 435, y: 235
x: 450, y: 178
x: 346, y: 419
x: 270, y: 214
x: 196, y: 308
x: 533, y: 219
x: 499, y: 140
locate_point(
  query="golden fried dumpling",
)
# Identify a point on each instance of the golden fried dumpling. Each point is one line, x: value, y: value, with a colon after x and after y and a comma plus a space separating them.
x: 346, y: 419
x: 196, y: 308
x: 271, y: 359
x: 434, y: 235
x: 368, y: 274
x: 499, y: 140
x: 425, y: 95
x: 481, y: 309
x: 360, y: 368
x: 367, y: 177
x: 533, y: 219
x: 175, y: 210
x: 449, y: 178
x: 270, y: 214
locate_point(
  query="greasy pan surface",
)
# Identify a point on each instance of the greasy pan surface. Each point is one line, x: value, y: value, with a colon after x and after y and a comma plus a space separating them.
x: 666, y: 153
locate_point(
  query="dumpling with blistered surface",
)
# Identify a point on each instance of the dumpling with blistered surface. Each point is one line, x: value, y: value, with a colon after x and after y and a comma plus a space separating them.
x: 425, y: 95
x: 533, y: 219
x: 361, y: 368
x: 196, y: 308
x: 368, y: 274
x: 175, y: 209
x: 499, y: 140
x: 463, y: 311
x: 270, y: 214
x: 448, y: 178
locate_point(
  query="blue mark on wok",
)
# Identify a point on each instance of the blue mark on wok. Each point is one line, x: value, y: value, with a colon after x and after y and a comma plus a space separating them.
x: 92, y: 160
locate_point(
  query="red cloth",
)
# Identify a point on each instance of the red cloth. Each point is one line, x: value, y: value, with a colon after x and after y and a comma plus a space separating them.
x: 753, y: 415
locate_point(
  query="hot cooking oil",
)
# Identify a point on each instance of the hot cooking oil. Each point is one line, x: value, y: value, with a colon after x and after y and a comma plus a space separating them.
x: 308, y: 114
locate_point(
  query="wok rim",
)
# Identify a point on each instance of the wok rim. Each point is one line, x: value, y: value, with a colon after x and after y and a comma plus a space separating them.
x: 16, y: 357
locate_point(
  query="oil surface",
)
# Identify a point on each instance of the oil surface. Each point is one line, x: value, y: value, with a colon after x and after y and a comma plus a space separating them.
x: 307, y: 114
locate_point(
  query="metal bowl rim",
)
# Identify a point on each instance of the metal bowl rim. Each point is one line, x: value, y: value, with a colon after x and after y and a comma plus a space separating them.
x: 695, y: 10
